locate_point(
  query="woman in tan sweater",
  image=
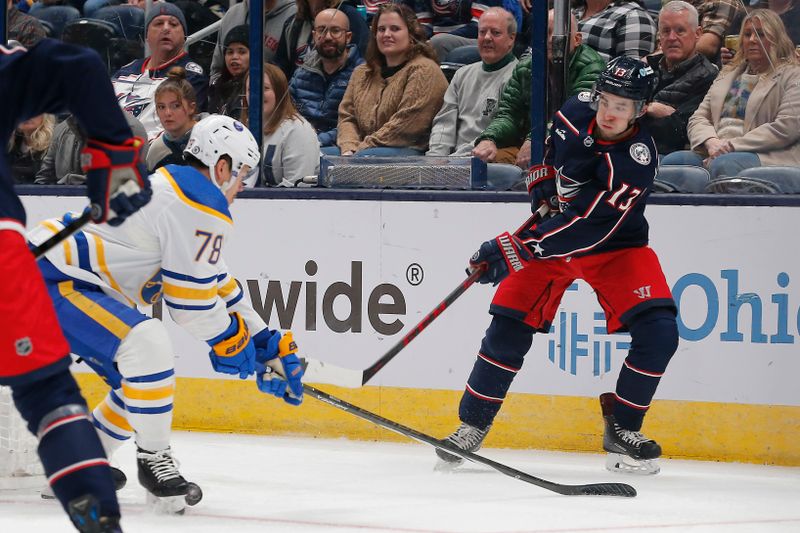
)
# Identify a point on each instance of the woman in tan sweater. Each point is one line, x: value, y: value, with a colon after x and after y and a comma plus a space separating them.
x: 391, y: 99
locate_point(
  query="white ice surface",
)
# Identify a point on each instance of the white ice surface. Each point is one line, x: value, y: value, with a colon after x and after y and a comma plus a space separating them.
x: 298, y: 485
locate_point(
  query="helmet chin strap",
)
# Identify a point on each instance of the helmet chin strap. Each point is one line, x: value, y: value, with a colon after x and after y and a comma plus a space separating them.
x: 223, y: 187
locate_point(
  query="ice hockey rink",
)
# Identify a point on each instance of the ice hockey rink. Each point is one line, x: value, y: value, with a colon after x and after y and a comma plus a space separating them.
x: 255, y: 483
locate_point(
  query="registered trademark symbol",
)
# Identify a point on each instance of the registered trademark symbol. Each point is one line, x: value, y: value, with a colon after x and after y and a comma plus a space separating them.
x: 414, y: 274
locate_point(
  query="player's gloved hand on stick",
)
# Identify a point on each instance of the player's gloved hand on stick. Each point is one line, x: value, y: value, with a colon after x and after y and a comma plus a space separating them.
x: 233, y: 351
x: 541, y: 184
x: 116, y: 179
x: 278, y: 369
x: 499, y: 256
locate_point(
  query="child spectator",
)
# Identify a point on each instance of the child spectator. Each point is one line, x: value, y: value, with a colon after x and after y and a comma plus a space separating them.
x: 176, y: 106
x: 226, y: 93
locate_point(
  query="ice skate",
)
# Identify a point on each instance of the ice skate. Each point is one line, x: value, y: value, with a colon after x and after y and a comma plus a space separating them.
x: 629, y: 451
x: 85, y: 514
x: 117, y: 476
x: 466, y: 437
x: 167, y: 490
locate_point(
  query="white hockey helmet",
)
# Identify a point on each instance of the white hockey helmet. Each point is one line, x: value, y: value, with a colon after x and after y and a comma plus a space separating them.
x: 216, y: 136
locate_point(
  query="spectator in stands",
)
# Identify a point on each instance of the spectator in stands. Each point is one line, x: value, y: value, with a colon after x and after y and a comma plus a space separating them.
x: 471, y: 99
x: 718, y: 18
x: 749, y: 116
x: 511, y: 126
x: 318, y: 85
x: 290, y: 151
x: 391, y: 100
x: 616, y: 28
x: 24, y: 29
x: 789, y: 13
x: 278, y: 12
x: 684, y: 76
x: 28, y: 146
x: 62, y: 162
x: 176, y: 106
x: 226, y: 93
x: 136, y: 82
x: 296, y: 39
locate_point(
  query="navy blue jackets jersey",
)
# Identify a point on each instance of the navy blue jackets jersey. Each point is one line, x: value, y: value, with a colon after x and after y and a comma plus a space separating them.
x: 602, y: 186
x: 53, y: 77
x: 135, y: 85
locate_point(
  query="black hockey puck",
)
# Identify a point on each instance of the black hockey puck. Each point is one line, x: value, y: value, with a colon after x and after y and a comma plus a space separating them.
x: 193, y: 494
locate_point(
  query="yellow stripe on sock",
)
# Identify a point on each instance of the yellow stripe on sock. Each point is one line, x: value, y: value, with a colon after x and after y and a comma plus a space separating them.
x: 114, y: 418
x: 160, y: 393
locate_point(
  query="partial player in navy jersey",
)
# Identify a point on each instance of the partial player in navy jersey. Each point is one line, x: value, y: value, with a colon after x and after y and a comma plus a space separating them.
x: 597, y: 173
x: 53, y: 77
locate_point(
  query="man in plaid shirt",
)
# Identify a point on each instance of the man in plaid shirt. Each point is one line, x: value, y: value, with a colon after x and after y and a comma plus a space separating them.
x: 616, y: 28
x: 717, y: 19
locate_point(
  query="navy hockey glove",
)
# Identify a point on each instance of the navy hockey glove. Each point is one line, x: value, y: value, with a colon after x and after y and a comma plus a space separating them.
x: 498, y: 257
x: 233, y: 351
x: 116, y: 179
x: 541, y: 184
x: 279, y: 371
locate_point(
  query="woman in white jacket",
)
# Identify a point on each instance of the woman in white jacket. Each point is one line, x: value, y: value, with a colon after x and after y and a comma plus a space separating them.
x: 290, y: 149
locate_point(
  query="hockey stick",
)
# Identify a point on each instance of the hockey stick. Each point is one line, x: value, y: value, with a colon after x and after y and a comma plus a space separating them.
x: 439, y: 309
x: 592, y: 489
x: 55, y: 240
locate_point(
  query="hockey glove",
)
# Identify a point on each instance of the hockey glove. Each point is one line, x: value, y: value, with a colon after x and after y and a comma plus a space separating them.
x: 542, y: 187
x: 498, y: 257
x: 116, y: 179
x: 233, y: 351
x: 278, y: 369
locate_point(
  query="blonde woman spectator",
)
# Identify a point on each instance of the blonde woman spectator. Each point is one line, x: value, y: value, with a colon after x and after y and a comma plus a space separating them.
x: 750, y: 116
x: 176, y: 107
x: 391, y: 100
x: 28, y: 146
x: 290, y: 150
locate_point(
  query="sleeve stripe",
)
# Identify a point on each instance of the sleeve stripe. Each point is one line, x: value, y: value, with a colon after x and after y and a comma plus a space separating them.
x: 235, y: 300
x: 187, y: 277
x: 189, y: 307
x: 188, y: 293
x: 228, y: 288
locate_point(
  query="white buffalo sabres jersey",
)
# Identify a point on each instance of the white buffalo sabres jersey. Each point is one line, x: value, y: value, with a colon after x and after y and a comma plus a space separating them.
x: 171, y: 248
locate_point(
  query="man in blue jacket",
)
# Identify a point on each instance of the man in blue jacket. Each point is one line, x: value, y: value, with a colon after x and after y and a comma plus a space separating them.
x: 318, y: 85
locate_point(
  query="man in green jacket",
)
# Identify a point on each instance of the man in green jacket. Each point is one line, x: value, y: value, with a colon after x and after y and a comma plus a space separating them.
x: 511, y: 126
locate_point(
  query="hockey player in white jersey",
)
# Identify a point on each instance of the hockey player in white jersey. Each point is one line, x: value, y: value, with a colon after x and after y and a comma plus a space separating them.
x: 172, y: 249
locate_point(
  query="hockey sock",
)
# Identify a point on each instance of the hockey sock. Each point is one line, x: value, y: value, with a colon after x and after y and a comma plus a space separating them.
x: 111, y: 420
x: 502, y: 352
x: 70, y: 451
x: 148, y: 400
x: 654, y: 339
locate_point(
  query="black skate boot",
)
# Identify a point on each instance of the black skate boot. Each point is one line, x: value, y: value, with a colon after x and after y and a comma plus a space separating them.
x: 628, y: 451
x: 85, y: 515
x: 466, y: 437
x: 166, y: 488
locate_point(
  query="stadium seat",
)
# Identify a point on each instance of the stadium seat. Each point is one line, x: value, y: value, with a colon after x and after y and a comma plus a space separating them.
x: 57, y: 17
x: 128, y: 20
x: 785, y: 179
x: 449, y: 69
x: 92, y: 33
x: 681, y: 179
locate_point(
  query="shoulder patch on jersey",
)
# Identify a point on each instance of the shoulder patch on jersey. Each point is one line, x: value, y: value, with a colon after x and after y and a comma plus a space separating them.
x: 640, y: 153
x: 585, y: 96
x: 588, y: 141
x: 191, y: 66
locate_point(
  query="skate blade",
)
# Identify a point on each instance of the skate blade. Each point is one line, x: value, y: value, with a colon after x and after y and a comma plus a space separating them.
x: 167, y: 505
x: 447, y: 466
x: 47, y: 493
x: 617, y: 462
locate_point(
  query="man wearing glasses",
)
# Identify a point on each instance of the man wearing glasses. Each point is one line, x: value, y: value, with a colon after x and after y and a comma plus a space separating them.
x: 318, y: 85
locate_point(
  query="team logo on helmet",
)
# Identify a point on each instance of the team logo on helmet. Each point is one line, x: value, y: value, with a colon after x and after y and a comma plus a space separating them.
x: 238, y: 125
x: 585, y: 96
x: 640, y: 153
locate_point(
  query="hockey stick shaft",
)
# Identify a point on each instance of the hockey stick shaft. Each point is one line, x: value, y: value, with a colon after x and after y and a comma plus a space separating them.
x: 593, y: 489
x: 462, y: 287
x: 55, y: 240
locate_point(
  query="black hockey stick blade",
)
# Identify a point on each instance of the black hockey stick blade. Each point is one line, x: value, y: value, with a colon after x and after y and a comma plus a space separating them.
x: 55, y: 240
x: 454, y: 295
x: 592, y: 489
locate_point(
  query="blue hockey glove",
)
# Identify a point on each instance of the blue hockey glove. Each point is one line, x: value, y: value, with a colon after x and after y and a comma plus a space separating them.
x: 116, y: 179
x: 541, y: 184
x: 498, y: 257
x: 233, y: 351
x: 278, y: 369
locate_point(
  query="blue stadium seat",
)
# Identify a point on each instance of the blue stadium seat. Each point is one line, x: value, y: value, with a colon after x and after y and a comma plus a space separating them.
x: 94, y: 34
x: 128, y: 20
x: 681, y: 179
x: 785, y: 179
x: 58, y: 17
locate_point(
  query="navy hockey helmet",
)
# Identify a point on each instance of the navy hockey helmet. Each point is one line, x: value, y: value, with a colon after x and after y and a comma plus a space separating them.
x: 627, y: 77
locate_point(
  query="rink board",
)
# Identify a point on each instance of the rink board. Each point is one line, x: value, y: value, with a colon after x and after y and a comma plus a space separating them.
x: 350, y: 277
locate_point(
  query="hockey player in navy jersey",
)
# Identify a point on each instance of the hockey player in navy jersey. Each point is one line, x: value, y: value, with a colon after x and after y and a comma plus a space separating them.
x: 597, y: 173
x: 34, y: 356
x: 171, y: 250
